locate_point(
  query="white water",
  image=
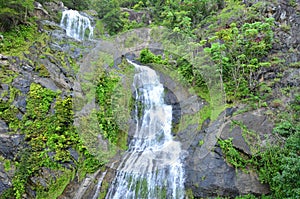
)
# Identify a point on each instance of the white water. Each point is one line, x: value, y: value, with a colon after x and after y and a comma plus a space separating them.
x: 76, y: 25
x: 99, y: 185
x: 152, y: 167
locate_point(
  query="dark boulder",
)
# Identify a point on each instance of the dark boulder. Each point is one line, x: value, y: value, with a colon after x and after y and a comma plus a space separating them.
x: 22, y: 84
x: 10, y: 145
x: 3, y: 127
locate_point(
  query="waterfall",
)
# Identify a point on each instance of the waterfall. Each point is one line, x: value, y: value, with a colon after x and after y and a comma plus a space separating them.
x: 76, y: 25
x: 152, y: 166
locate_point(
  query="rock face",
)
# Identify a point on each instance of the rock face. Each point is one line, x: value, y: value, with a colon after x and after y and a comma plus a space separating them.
x: 208, y: 174
x: 139, y: 17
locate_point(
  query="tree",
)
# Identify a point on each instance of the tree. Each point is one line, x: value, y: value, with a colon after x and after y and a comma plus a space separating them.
x: 13, y: 13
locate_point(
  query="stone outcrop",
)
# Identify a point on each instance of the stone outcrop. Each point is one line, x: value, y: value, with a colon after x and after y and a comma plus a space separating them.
x: 207, y: 172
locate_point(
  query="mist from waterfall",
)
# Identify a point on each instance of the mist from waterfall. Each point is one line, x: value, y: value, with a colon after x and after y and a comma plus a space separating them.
x: 76, y: 25
x: 152, y: 166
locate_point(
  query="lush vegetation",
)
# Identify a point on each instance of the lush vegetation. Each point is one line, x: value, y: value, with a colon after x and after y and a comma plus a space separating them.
x: 234, y: 37
x: 105, y: 89
x: 13, y: 13
x: 240, y: 54
x: 50, y: 137
x: 277, y: 165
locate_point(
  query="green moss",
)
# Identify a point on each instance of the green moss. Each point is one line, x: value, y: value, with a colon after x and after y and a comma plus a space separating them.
x: 7, y: 165
x: 57, y: 185
x: 189, y: 194
x: 18, y: 40
x: 48, y: 133
x: 7, y: 75
x: 8, y: 113
x: 232, y: 155
x: 104, y: 189
x: 200, y: 143
x: 295, y: 65
x: 43, y: 71
x: 99, y: 29
x: 251, y: 138
x: 205, y: 113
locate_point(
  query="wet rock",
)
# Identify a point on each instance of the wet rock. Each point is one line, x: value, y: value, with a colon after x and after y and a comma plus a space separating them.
x: 205, y: 124
x: 54, y: 7
x: 5, y: 177
x: 210, y: 176
x: 55, y: 47
x: 3, y: 57
x: 251, y: 131
x: 48, y: 26
x: 291, y: 78
x: 9, y: 145
x: 3, y: 127
x: 229, y: 111
x: 74, y: 154
x: 138, y: 16
x: 286, y: 16
x: 3, y: 186
x: 27, y: 68
x: 47, y: 83
x: 5, y: 87
x: 171, y: 99
x: 238, y: 139
x: 22, y: 84
x: 20, y: 103
x: 59, y: 35
x: 39, y: 11
x: 57, y: 74
x: 247, y: 183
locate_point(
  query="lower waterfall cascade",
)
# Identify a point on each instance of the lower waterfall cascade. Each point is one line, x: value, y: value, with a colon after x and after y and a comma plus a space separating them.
x: 152, y: 166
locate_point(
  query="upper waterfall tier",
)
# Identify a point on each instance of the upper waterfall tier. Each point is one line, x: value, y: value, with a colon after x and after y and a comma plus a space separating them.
x: 76, y: 25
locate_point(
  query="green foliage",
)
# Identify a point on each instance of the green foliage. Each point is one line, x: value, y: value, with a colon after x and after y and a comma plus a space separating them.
x: 113, y: 21
x: 104, y: 91
x: 43, y: 71
x: 182, y: 16
x: 146, y: 57
x: 8, y: 112
x: 13, y: 13
x: 286, y: 128
x: 232, y: 155
x: 49, y: 136
x: 6, y: 76
x: 16, y: 39
x: 189, y: 194
x: 7, y: 165
x: 57, y: 185
x: 279, y: 165
x: 179, y: 16
x: 77, y: 4
x: 248, y: 196
x: 239, y: 55
x: 280, y: 168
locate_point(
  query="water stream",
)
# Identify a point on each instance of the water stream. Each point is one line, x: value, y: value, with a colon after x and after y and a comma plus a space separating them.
x: 76, y: 25
x: 152, y: 166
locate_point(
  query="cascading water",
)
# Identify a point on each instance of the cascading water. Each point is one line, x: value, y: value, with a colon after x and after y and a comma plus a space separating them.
x: 152, y: 167
x: 76, y: 25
